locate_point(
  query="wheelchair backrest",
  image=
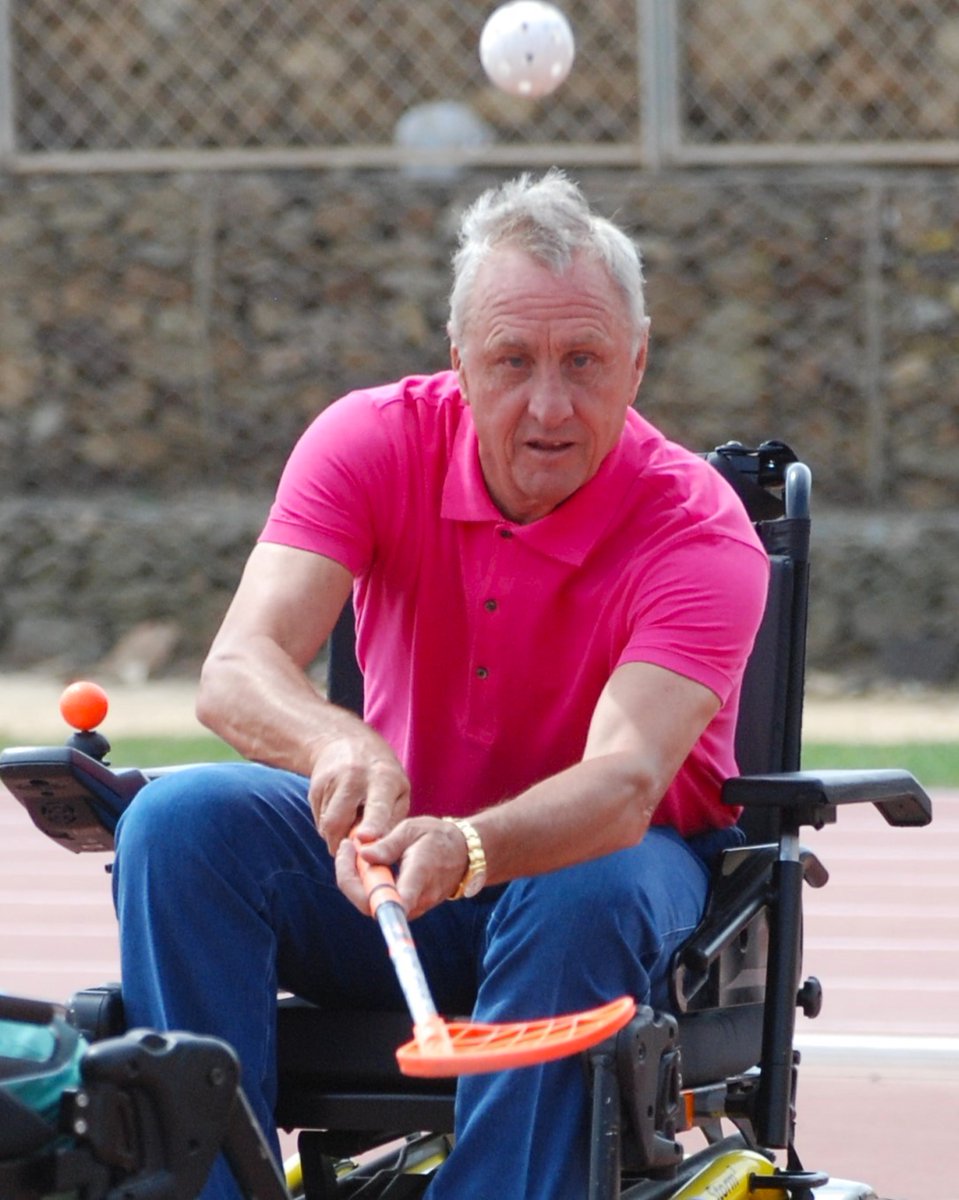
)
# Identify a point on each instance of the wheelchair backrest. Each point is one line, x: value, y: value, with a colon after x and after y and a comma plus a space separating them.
x: 774, y: 488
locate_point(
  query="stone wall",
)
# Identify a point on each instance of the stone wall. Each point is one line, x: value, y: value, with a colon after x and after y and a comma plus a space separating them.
x: 164, y: 338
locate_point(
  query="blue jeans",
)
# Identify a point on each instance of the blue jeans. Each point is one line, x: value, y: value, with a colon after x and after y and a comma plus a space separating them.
x: 225, y: 893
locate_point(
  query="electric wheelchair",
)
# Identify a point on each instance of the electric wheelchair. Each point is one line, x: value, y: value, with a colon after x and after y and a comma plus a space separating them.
x: 721, y: 1060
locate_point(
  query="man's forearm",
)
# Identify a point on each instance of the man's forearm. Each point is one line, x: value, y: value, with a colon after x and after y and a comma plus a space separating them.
x: 644, y: 726
x: 592, y: 808
x: 262, y: 703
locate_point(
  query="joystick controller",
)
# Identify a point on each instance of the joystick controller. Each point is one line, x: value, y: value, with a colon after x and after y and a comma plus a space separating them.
x: 83, y: 705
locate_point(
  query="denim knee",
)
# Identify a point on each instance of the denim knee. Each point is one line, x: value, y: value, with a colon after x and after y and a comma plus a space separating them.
x: 599, y: 928
x: 239, y: 821
x: 208, y: 804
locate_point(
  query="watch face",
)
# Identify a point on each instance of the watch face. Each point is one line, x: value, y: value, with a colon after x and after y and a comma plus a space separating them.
x: 475, y: 885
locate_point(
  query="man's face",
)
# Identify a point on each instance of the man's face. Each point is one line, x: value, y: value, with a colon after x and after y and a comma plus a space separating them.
x: 549, y: 364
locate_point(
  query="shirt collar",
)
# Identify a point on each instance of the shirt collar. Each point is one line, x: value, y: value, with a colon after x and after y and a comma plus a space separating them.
x: 570, y: 531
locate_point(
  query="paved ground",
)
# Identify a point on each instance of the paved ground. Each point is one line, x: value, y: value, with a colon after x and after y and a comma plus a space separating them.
x: 879, y: 1089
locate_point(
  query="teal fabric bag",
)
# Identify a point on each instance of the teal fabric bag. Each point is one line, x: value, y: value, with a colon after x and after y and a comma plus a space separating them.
x: 38, y: 1062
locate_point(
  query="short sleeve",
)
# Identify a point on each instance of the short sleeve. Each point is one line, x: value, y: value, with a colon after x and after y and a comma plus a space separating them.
x: 324, y: 501
x: 699, y: 608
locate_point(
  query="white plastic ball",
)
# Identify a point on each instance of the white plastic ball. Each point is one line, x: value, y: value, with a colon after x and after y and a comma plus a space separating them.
x: 527, y: 47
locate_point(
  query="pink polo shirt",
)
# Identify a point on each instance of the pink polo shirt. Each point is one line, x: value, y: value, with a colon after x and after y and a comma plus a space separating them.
x: 484, y: 644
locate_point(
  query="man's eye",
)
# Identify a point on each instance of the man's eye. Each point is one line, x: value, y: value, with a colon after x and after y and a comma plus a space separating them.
x: 579, y: 361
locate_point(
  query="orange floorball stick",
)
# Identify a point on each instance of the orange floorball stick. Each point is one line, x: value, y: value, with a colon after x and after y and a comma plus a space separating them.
x: 442, y: 1047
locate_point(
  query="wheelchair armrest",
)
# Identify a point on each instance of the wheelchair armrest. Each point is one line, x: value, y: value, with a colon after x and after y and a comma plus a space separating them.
x: 813, y: 797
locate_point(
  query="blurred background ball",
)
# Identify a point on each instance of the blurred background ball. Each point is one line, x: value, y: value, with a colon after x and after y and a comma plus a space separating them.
x: 527, y: 47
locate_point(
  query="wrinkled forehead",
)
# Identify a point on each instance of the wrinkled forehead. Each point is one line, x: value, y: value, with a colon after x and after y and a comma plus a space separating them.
x: 512, y: 284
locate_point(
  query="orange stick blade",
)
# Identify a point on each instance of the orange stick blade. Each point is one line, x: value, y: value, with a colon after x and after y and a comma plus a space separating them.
x: 478, y: 1048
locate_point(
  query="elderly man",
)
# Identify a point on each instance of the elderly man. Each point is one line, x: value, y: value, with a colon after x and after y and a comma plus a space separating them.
x: 554, y: 608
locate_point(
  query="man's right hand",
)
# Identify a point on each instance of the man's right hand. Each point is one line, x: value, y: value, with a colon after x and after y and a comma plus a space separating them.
x: 357, y: 780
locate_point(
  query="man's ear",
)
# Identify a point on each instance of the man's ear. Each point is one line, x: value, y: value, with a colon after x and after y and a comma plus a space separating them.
x: 641, y: 355
x: 456, y: 360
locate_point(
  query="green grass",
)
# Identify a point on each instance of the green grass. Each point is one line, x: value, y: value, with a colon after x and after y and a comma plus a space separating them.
x: 169, y: 751
x: 935, y: 764
x: 151, y: 751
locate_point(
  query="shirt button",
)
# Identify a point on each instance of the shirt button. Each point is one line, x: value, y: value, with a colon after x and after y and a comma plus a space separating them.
x: 491, y: 606
x: 506, y: 533
x: 481, y: 673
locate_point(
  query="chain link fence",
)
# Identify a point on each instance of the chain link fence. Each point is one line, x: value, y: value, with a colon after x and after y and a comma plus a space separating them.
x: 814, y: 72
x: 218, y: 74
x: 655, y: 81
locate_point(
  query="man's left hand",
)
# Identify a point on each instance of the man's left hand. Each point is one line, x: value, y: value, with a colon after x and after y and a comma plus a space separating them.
x: 432, y: 857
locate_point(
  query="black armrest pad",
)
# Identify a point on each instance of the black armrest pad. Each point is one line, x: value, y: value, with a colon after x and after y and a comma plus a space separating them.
x: 815, y: 795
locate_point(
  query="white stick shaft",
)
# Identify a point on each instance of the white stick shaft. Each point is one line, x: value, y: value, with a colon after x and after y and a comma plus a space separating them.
x: 406, y: 962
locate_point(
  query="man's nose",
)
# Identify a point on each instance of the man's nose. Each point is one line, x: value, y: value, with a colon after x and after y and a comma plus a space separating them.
x: 549, y: 403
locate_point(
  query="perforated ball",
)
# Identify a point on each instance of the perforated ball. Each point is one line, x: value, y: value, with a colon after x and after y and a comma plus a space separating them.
x: 527, y: 47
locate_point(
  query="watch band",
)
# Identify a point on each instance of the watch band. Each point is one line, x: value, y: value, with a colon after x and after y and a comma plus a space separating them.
x: 475, y: 875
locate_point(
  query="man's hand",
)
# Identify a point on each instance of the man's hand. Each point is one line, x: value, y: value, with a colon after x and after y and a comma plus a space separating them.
x: 432, y: 857
x: 356, y: 777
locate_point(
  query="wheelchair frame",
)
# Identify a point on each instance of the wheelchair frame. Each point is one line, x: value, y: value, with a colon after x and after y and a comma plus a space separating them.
x: 724, y: 1052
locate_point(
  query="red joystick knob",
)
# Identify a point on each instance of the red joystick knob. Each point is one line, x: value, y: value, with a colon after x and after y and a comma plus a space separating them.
x: 84, y: 705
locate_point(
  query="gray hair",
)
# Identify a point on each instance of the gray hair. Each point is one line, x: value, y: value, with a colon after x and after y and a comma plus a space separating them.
x: 550, y: 219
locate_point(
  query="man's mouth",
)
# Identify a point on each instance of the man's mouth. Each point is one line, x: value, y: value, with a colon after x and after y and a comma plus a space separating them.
x: 544, y: 446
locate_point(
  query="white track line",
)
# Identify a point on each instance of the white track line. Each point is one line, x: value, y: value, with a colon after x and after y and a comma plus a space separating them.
x: 880, y: 1050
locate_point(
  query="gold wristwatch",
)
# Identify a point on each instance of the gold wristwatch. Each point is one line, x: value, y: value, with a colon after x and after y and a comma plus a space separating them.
x: 475, y: 876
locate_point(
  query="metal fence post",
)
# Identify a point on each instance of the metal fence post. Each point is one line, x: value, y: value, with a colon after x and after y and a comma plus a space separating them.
x: 8, y: 135
x: 660, y: 81
x: 876, y: 432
